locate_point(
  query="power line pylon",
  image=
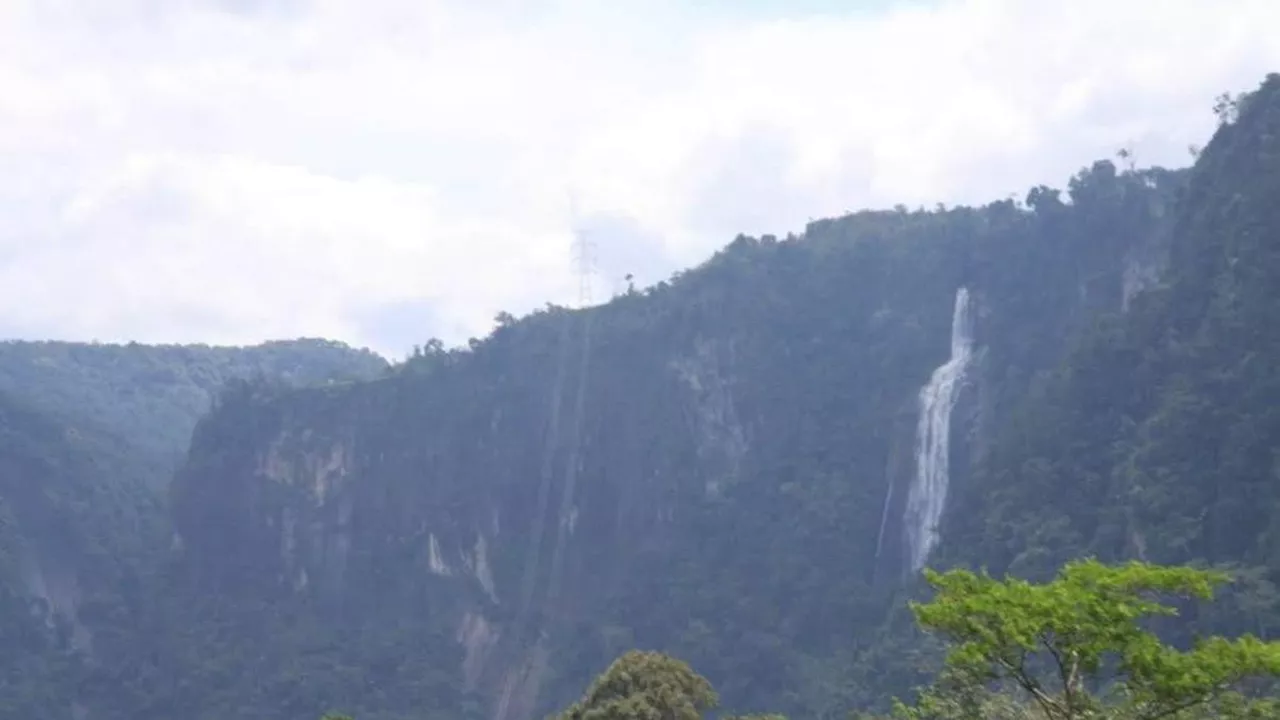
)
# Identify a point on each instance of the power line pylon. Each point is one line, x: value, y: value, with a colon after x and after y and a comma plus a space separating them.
x: 584, y: 260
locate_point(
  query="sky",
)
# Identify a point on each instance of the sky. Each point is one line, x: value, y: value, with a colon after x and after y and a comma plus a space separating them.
x: 386, y: 171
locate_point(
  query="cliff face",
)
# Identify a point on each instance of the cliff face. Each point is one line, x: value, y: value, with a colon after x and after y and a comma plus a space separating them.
x: 1157, y: 436
x: 733, y: 467
x: 705, y: 467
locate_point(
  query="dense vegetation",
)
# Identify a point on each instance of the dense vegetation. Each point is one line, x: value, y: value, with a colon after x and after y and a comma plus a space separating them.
x: 701, y: 466
x: 44, y: 481
x: 150, y: 396
x: 1073, y: 648
x: 1081, y: 646
x: 87, y: 435
x: 1157, y: 437
x: 712, y: 467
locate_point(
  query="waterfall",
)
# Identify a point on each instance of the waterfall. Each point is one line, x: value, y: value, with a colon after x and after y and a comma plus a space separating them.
x: 928, y: 493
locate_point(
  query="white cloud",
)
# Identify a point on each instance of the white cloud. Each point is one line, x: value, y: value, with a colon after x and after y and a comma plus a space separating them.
x: 230, y: 170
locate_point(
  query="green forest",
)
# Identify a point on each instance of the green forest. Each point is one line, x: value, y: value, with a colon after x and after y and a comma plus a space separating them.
x: 1070, y: 648
x: 724, y: 471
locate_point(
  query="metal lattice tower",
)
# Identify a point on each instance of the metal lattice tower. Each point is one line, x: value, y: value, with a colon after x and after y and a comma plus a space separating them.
x: 584, y: 261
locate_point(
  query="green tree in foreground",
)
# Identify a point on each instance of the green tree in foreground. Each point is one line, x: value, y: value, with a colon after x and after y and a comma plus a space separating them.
x: 1055, y: 644
x: 645, y: 686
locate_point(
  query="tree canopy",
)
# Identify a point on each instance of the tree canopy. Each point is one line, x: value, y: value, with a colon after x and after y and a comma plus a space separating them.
x: 1081, y: 645
x: 645, y: 686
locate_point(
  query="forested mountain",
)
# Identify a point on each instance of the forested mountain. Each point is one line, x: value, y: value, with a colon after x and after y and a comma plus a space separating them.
x: 702, y: 467
x: 1158, y: 437
x: 150, y: 396
x: 744, y: 466
x: 63, y: 529
x: 89, y: 435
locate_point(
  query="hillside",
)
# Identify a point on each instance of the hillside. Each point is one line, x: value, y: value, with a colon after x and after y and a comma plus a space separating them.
x: 1159, y: 436
x: 745, y: 466
x: 719, y: 466
x: 150, y: 396
x: 89, y: 437
x: 66, y: 536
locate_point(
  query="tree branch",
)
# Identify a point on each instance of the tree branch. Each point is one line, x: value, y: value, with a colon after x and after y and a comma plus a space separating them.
x: 1065, y: 674
x: 1019, y: 673
x: 1174, y: 709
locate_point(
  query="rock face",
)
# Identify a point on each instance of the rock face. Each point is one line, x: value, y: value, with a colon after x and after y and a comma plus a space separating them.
x: 719, y: 467
x: 1156, y: 437
x: 705, y: 467
x: 508, y: 507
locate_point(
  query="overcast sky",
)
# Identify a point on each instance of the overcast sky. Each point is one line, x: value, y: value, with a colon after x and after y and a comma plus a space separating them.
x: 384, y: 171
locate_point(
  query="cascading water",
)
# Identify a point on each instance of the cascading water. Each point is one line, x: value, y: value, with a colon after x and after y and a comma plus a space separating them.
x: 928, y: 494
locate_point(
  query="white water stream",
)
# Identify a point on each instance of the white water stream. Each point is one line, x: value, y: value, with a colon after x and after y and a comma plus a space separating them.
x: 927, y: 496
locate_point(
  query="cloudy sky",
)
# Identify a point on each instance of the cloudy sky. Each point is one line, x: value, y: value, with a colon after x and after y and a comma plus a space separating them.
x: 384, y: 171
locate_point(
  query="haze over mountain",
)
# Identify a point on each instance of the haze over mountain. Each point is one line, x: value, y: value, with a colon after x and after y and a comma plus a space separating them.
x: 231, y: 171
x: 746, y: 465
x: 301, y: 409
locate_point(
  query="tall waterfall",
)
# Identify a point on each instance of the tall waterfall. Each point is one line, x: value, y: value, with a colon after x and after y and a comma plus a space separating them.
x: 928, y: 493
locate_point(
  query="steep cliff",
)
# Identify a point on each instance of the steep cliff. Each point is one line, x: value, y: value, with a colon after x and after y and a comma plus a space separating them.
x: 718, y: 466
x: 1159, y: 435
x: 744, y: 466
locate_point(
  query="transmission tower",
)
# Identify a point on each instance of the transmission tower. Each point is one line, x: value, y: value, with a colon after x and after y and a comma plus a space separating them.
x: 584, y: 261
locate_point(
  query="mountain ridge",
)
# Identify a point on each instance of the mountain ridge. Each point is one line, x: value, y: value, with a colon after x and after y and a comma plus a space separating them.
x: 658, y: 470
x: 715, y: 466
